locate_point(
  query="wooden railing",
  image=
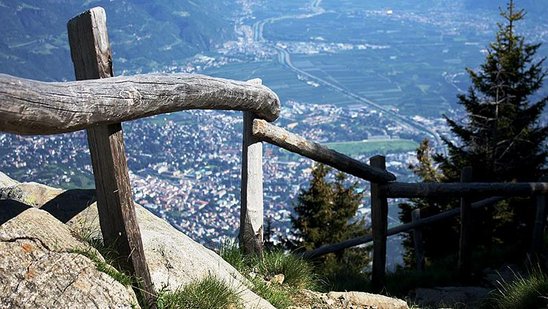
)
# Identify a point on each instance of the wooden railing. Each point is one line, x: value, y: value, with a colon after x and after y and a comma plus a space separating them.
x: 465, y: 190
x: 99, y: 103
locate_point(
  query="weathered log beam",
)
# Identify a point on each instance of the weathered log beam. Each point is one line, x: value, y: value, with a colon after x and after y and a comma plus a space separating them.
x: 267, y: 132
x: 398, y: 229
x: 33, y: 107
x: 472, y: 189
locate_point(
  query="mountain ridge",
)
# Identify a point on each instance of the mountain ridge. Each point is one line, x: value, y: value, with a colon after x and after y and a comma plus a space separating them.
x: 142, y: 33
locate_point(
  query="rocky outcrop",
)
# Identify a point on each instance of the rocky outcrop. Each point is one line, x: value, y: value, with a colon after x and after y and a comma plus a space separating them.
x: 41, y: 267
x: 173, y: 258
x: 345, y: 300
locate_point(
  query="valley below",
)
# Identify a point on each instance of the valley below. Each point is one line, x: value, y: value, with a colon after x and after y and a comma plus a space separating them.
x: 365, y: 77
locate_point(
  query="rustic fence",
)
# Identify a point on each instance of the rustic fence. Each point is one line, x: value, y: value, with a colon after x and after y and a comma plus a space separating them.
x: 101, y: 102
x: 465, y: 190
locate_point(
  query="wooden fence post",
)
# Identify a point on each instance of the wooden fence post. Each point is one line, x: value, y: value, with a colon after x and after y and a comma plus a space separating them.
x: 465, y: 227
x: 251, y: 212
x: 417, y: 239
x: 379, y: 224
x: 538, y: 229
x: 92, y: 58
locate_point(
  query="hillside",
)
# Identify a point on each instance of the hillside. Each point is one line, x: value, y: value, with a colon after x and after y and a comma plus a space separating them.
x: 143, y: 32
x: 536, y: 8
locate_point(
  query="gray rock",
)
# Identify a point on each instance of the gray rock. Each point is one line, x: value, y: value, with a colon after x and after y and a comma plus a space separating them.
x: 347, y: 300
x: 39, y: 268
x: 367, y: 300
x: 173, y: 258
x: 6, y: 181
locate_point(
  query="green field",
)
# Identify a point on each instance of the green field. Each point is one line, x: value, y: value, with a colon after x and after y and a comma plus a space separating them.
x: 383, y: 146
x: 366, y: 147
x: 281, y: 80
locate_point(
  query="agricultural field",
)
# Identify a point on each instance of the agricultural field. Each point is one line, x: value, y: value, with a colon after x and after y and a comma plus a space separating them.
x: 382, y: 146
x: 284, y: 82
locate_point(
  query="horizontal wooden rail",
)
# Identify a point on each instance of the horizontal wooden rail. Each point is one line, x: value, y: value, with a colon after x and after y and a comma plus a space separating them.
x: 471, y: 189
x: 267, y: 132
x: 33, y: 107
x: 398, y: 229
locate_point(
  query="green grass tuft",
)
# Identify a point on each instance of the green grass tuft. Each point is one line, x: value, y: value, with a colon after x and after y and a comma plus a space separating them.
x: 105, y: 267
x: 298, y: 274
x: 530, y: 291
x: 278, y: 295
x: 230, y: 252
x: 207, y: 293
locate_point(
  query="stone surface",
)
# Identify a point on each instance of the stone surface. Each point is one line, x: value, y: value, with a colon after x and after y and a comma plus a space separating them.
x: 39, y: 268
x: 367, y: 300
x: 5, y: 181
x: 32, y: 194
x: 173, y: 258
x: 348, y: 300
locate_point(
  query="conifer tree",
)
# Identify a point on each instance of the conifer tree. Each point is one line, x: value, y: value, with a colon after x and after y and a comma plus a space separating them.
x: 314, y: 211
x: 441, y: 238
x: 326, y: 214
x: 500, y: 138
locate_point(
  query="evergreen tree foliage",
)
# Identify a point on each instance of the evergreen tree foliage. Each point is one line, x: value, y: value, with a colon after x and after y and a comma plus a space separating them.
x: 326, y: 214
x: 444, y: 232
x: 500, y: 138
x: 314, y: 211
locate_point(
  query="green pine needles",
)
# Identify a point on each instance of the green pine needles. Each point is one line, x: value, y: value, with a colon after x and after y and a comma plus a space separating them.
x: 500, y: 137
x: 325, y: 213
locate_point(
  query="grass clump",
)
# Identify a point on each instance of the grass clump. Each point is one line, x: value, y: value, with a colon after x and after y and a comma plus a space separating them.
x: 529, y: 291
x: 207, y: 293
x: 105, y: 267
x: 279, y: 296
x: 264, y: 273
x: 297, y: 273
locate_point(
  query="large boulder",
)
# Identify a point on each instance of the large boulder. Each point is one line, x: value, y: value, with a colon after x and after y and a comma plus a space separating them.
x: 172, y: 257
x: 42, y: 266
x: 344, y: 300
